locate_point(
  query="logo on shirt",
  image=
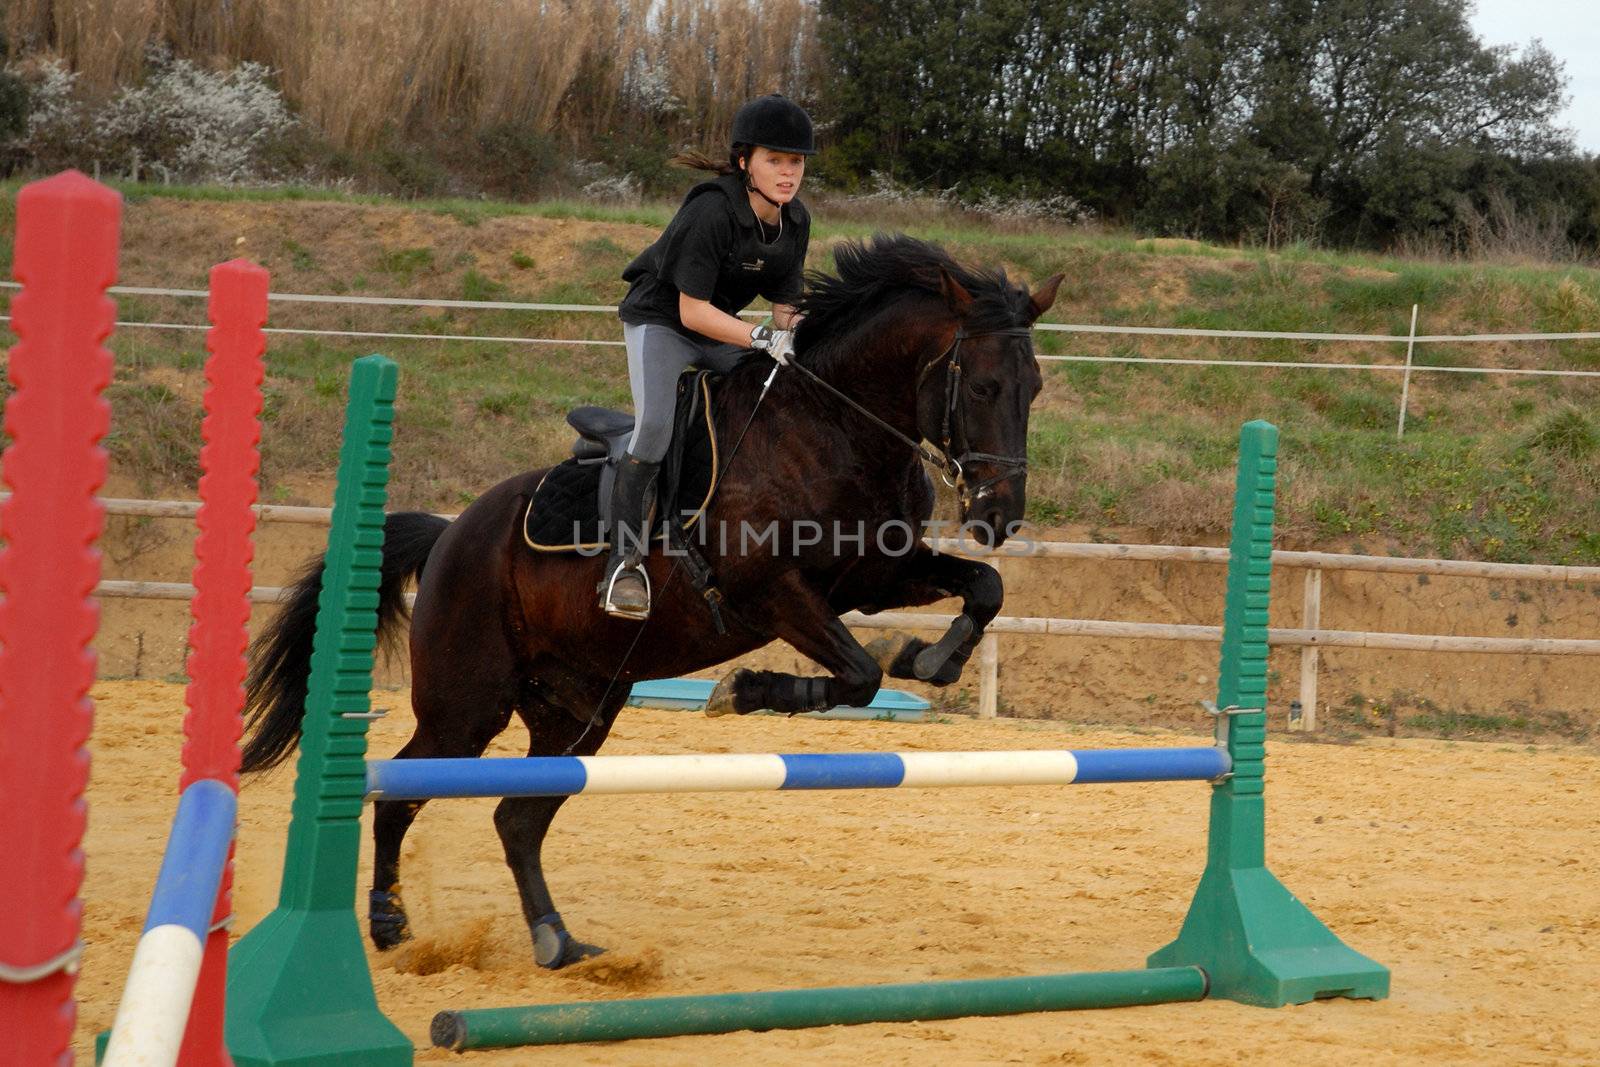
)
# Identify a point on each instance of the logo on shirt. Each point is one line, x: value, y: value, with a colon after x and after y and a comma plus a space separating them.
x: 759, y: 264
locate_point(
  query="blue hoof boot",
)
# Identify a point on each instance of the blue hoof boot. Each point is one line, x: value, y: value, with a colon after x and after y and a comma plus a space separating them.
x: 554, y: 948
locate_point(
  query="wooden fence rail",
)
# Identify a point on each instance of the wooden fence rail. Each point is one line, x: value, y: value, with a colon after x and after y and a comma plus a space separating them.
x: 1310, y: 639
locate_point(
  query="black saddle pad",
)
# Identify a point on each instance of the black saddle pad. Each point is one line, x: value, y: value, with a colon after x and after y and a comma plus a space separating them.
x: 564, y: 514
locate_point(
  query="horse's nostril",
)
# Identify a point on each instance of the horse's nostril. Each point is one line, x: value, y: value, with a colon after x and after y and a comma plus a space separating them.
x: 985, y: 528
x: 994, y: 525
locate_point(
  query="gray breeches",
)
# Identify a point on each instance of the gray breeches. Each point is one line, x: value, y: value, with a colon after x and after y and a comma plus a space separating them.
x: 656, y: 356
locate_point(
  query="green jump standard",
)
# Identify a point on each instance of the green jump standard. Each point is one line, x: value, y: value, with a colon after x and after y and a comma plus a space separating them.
x: 799, y: 1009
x: 300, y: 994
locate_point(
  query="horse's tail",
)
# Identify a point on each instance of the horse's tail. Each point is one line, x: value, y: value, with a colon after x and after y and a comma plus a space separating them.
x: 280, y: 657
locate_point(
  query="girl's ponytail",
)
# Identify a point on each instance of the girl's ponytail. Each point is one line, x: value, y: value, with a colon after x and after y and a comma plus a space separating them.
x: 700, y: 161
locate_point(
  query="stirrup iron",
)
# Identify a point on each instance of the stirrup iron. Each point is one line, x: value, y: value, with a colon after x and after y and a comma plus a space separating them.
x: 609, y: 606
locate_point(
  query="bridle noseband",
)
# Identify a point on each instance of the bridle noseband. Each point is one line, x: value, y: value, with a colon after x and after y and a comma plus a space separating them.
x: 952, y: 468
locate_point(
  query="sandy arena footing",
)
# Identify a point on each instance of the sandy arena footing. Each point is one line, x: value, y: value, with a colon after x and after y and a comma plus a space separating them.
x: 1471, y: 870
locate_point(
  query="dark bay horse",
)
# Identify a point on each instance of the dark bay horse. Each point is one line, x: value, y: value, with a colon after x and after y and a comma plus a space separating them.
x: 934, y: 350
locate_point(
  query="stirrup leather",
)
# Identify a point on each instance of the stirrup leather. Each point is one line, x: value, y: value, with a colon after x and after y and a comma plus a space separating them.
x: 609, y: 606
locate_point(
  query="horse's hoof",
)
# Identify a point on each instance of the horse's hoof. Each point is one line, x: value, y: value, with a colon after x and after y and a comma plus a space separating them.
x: 932, y: 660
x: 578, y: 951
x: 385, y: 938
x: 721, y: 701
x: 386, y: 920
x: 893, y: 651
x: 950, y: 673
x: 554, y: 948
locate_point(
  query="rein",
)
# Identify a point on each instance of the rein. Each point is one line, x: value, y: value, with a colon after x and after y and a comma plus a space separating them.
x: 952, y: 468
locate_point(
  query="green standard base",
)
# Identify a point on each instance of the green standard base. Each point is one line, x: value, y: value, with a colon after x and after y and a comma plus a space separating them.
x: 798, y: 1009
x: 300, y: 995
x: 1257, y: 942
x: 1261, y: 946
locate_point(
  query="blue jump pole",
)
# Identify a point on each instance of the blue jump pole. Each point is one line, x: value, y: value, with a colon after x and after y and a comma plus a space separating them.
x: 544, y: 776
x: 161, y: 981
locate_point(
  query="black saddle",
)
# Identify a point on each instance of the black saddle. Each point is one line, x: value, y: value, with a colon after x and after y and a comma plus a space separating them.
x: 602, y: 439
x: 602, y: 433
x: 571, y: 508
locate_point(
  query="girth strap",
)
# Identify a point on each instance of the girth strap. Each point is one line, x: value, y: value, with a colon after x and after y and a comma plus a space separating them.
x: 700, y: 573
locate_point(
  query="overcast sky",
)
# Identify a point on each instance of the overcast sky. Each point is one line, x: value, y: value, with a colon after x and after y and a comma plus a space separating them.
x: 1571, y: 30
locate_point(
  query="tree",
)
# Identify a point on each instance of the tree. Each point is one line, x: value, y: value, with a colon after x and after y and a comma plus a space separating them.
x: 1268, y: 119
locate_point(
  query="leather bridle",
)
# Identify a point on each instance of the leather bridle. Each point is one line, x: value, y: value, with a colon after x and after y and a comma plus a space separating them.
x: 953, y: 467
x: 953, y: 430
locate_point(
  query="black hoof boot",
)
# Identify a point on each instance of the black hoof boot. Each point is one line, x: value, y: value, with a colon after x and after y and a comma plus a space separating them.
x: 554, y: 948
x: 932, y: 660
x: 386, y: 920
x: 950, y: 673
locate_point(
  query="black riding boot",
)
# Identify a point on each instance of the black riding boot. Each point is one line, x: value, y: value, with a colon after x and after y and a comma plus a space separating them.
x: 625, y: 591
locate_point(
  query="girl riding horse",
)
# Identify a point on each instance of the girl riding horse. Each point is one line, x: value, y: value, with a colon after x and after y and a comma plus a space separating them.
x: 741, y: 236
x: 905, y: 345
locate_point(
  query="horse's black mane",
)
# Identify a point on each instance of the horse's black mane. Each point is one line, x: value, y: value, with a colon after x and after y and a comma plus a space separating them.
x: 872, y: 272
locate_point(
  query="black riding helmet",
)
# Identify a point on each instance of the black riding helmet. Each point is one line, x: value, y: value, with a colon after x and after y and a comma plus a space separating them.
x: 775, y: 122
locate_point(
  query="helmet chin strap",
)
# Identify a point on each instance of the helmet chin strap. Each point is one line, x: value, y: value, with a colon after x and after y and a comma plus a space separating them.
x: 762, y: 223
x: 749, y: 183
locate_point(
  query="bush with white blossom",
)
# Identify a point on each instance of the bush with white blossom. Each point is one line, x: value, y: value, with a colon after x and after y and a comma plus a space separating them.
x: 182, y: 123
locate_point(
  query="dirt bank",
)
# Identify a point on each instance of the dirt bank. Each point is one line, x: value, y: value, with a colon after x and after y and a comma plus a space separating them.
x: 1143, y: 683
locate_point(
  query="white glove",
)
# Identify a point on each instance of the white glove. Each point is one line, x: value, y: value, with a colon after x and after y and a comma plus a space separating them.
x: 779, y: 344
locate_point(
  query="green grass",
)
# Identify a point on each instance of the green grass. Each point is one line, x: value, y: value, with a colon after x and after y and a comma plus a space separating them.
x: 657, y: 213
x: 405, y: 263
x: 1406, y: 714
x: 1439, y: 492
x: 1492, y: 468
x: 1445, y: 723
x: 475, y: 286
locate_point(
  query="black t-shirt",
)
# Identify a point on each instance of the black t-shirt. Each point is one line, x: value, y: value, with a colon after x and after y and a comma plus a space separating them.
x: 714, y: 250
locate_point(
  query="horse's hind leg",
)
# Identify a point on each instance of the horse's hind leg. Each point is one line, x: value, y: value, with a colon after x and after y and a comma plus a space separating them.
x: 456, y: 717
x: 522, y: 823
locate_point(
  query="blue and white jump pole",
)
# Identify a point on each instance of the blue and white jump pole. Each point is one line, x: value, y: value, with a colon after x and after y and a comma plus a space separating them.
x: 155, y: 1002
x: 555, y: 776
x: 1246, y: 937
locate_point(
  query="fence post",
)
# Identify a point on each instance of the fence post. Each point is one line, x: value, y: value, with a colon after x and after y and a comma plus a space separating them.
x: 1405, y: 381
x: 1310, y: 655
x: 989, y: 676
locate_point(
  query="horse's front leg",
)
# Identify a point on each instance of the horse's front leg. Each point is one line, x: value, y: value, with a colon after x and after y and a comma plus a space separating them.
x: 934, y: 576
x: 804, y: 619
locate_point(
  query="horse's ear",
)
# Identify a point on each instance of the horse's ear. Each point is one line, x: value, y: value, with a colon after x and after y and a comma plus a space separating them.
x: 1045, y: 295
x: 955, y: 294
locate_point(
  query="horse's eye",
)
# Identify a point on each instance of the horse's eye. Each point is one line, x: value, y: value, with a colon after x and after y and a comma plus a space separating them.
x: 983, y: 390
